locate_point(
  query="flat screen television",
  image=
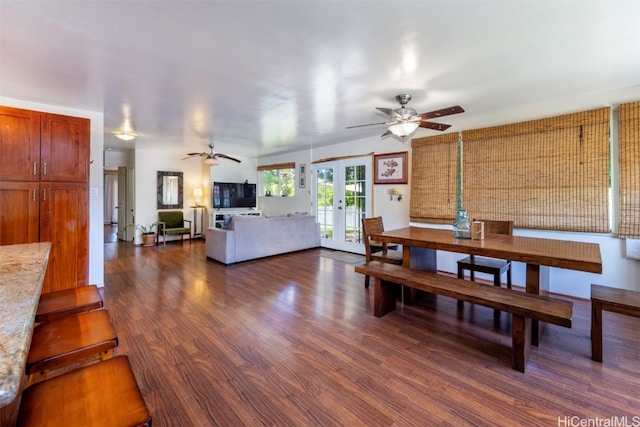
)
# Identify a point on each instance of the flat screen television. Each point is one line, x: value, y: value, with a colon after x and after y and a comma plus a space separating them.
x: 234, y: 195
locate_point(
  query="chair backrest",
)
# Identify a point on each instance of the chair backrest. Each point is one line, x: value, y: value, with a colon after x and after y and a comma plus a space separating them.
x: 173, y: 219
x: 371, y: 226
x: 497, y: 227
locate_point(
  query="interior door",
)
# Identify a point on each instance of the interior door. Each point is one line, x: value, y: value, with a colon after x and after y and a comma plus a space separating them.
x: 342, y: 194
x: 122, y: 203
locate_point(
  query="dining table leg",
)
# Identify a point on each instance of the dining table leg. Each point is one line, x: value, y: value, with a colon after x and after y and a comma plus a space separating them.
x: 537, y: 282
x: 420, y: 259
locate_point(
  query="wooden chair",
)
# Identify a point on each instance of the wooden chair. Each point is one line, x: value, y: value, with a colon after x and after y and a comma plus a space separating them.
x: 58, y: 304
x: 491, y: 266
x: 103, y: 394
x: 172, y: 223
x: 377, y: 251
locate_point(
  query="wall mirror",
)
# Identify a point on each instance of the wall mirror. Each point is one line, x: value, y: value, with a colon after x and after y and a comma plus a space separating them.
x: 169, y: 190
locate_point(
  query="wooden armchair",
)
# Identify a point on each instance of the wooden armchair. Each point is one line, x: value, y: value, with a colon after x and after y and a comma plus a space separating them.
x: 172, y: 223
x: 377, y: 251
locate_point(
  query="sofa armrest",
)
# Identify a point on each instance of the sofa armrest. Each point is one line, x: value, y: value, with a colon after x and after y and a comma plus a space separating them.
x: 221, y: 245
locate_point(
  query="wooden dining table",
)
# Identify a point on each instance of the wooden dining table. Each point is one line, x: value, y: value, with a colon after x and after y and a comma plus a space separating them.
x: 420, y: 244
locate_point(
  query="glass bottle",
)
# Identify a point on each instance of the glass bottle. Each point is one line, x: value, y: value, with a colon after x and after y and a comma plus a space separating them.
x: 462, y: 226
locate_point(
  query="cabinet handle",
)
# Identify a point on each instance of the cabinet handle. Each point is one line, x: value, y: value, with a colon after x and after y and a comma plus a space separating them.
x: 35, y: 169
x: 44, y: 169
x: 44, y: 195
x: 34, y: 194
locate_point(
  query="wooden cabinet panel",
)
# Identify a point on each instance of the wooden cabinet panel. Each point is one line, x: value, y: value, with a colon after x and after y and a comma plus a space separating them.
x: 64, y: 223
x: 64, y: 148
x: 19, y: 215
x: 19, y: 145
x: 44, y: 175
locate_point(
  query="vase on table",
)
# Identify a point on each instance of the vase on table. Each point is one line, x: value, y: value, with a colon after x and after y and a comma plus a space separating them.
x: 462, y: 225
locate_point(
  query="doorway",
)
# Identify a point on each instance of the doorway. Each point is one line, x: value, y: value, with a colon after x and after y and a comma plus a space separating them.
x: 342, y: 194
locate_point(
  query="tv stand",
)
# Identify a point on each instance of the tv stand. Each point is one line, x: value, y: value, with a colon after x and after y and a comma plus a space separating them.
x: 216, y: 218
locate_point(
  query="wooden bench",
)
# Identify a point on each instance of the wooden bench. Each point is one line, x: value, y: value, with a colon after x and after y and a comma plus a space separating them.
x: 102, y: 394
x: 58, y: 304
x: 610, y: 299
x: 72, y: 339
x: 523, y: 306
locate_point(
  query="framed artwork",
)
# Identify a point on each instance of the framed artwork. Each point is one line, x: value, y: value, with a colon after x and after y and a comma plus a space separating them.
x: 302, y: 169
x: 390, y: 168
x: 302, y: 183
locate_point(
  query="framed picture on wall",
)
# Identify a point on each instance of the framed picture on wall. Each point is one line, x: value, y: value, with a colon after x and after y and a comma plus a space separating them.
x: 390, y: 168
x: 302, y: 182
x: 302, y: 169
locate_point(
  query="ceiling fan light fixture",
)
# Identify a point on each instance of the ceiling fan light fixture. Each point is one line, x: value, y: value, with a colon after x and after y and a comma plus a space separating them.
x: 126, y: 135
x: 211, y: 161
x: 403, y: 129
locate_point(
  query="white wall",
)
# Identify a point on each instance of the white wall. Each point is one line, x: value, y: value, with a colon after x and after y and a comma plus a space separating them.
x: 394, y: 213
x: 618, y: 271
x: 96, y: 178
x: 195, y: 175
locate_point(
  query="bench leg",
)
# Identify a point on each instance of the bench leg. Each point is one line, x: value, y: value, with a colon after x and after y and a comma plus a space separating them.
x: 384, y: 297
x: 596, y: 331
x: 520, y: 342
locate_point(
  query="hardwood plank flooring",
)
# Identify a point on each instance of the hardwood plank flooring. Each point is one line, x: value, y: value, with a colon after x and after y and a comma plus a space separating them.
x: 292, y: 341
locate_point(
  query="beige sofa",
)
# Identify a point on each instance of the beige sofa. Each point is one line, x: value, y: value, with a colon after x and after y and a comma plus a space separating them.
x: 250, y: 237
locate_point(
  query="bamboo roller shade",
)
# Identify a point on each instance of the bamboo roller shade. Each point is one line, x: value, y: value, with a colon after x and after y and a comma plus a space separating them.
x: 629, y: 138
x: 433, y: 179
x: 550, y: 174
x: 547, y: 174
x: 277, y: 166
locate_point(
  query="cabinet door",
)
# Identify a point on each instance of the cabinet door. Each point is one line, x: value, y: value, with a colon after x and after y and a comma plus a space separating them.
x: 64, y: 223
x: 64, y: 148
x: 18, y: 212
x: 19, y: 145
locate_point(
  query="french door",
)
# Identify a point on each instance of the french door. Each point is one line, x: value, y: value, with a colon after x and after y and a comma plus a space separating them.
x: 342, y: 197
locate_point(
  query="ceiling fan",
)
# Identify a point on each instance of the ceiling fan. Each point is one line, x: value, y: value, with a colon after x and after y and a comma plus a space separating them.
x: 404, y: 120
x: 211, y: 158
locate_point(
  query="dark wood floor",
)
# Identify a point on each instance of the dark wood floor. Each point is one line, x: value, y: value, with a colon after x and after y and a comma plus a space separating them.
x: 291, y: 341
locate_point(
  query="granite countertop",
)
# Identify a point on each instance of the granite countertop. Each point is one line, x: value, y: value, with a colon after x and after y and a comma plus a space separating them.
x: 22, y: 270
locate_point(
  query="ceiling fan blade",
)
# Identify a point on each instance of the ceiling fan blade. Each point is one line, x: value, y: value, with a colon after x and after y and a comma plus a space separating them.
x: 434, y: 126
x: 190, y: 155
x: 389, y: 112
x: 224, y: 156
x: 443, y: 112
x: 388, y: 132
x: 368, y: 124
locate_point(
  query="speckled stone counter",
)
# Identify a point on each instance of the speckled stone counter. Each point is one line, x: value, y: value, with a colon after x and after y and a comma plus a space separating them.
x: 22, y: 270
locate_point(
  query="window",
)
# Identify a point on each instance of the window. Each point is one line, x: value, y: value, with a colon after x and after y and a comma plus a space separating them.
x: 278, y: 179
x: 550, y: 174
x: 629, y: 136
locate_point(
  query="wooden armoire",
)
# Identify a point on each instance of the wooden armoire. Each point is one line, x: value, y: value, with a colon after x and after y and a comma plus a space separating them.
x: 44, y: 176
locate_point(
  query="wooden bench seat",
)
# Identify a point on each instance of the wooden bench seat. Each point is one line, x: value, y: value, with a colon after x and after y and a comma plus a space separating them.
x: 522, y: 306
x: 609, y: 299
x: 68, y: 340
x: 102, y: 394
x: 58, y: 304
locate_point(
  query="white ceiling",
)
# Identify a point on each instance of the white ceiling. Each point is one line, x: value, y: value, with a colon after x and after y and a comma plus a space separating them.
x: 267, y: 77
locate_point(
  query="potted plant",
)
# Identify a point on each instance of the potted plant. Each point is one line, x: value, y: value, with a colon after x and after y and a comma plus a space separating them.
x: 147, y: 233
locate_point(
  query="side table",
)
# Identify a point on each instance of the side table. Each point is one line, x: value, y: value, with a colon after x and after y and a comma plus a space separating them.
x: 198, y: 221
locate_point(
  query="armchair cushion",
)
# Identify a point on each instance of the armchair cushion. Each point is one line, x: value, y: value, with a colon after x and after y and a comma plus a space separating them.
x: 172, y: 219
x: 173, y: 223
